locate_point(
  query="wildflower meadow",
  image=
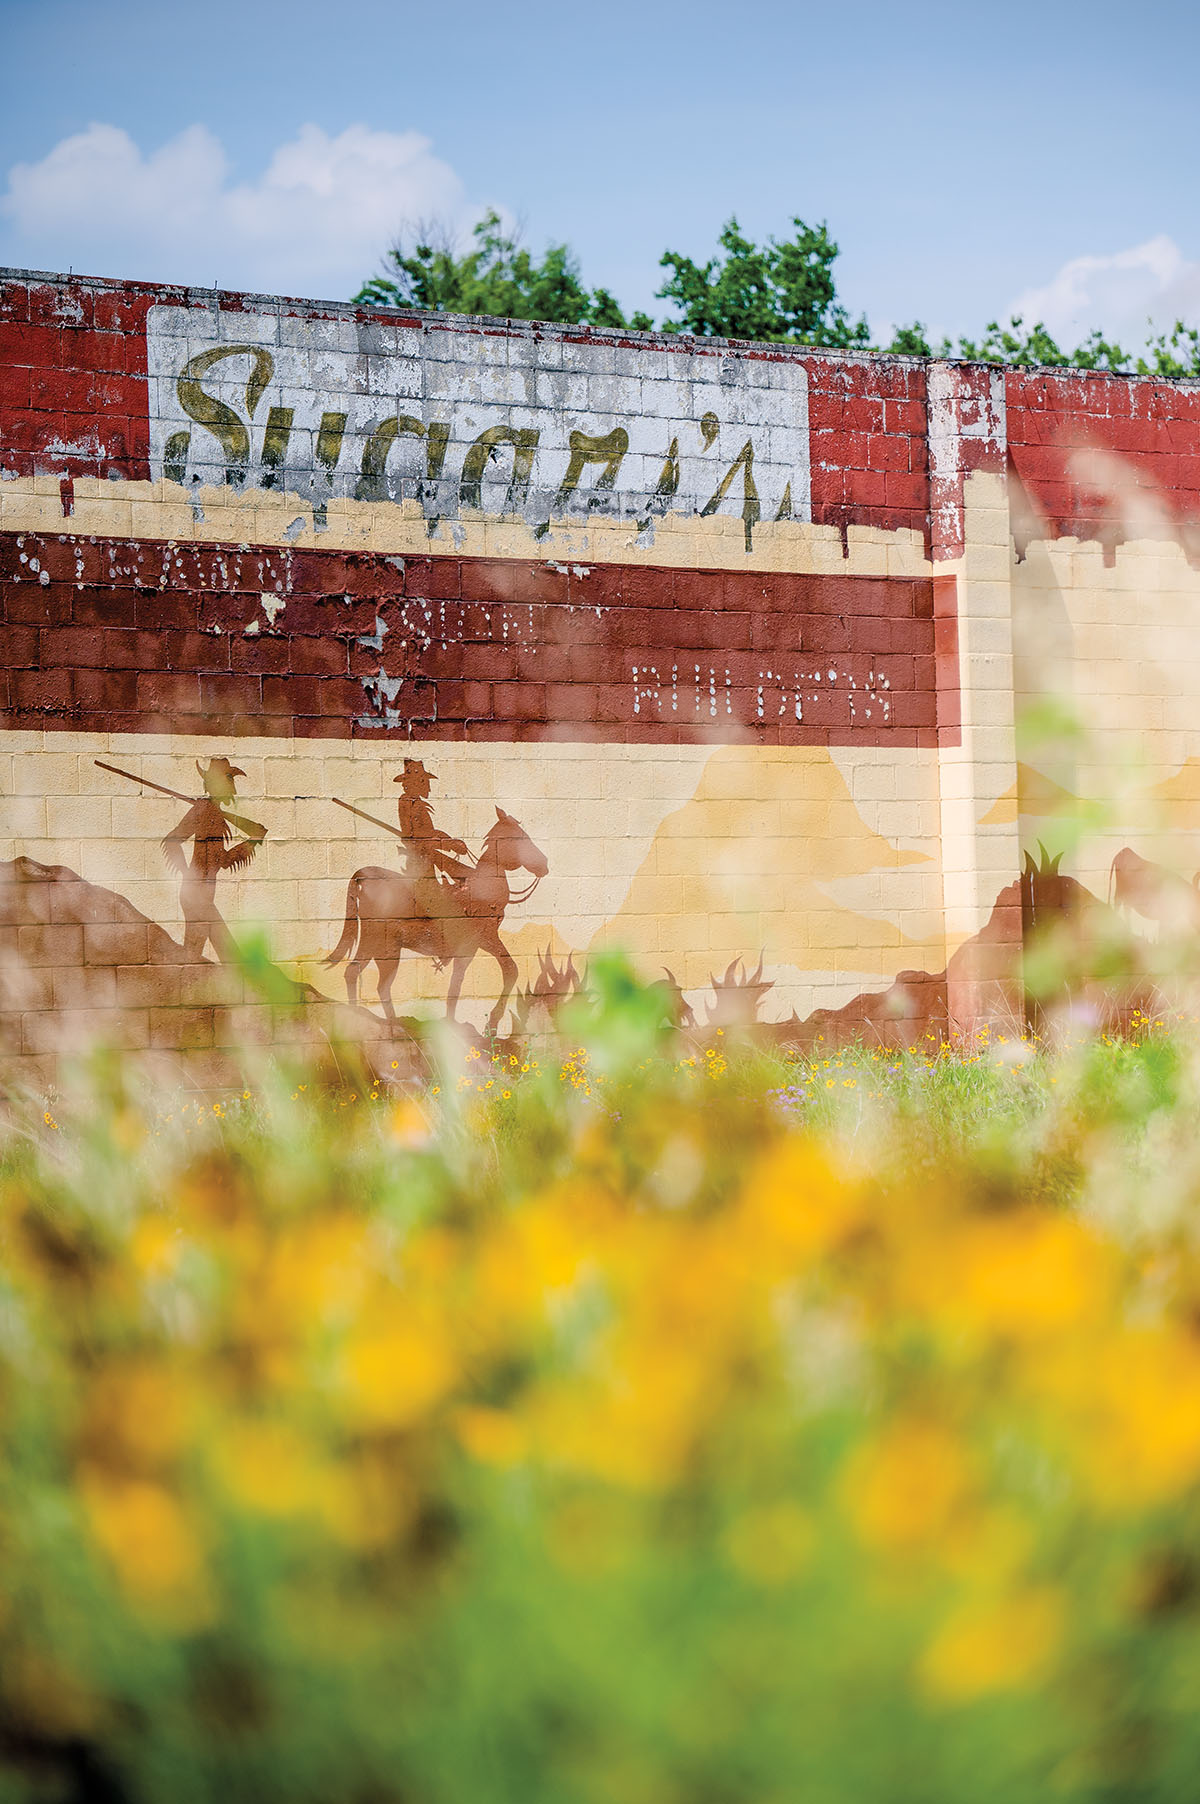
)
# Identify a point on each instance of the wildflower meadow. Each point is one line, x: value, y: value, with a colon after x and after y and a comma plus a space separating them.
x: 618, y: 1418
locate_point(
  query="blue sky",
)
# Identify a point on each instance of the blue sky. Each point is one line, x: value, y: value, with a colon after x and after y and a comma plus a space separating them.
x: 968, y: 159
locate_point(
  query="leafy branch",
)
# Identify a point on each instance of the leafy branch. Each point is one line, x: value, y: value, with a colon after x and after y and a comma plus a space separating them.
x: 783, y: 291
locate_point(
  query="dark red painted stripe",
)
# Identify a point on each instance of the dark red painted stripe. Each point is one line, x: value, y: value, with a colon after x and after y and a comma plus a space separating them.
x: 129, y: 635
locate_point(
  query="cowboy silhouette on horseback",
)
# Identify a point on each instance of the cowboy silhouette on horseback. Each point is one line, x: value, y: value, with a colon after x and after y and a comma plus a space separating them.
x: 449, y: 921
x: 428, y: 852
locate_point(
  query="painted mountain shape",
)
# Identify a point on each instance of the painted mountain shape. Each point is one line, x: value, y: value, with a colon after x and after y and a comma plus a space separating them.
x: 1175, y: 802
x: 1099, y: 964
x: 80, y: 965
x: 1178, y: 800
x: 1183, y: 787
x: 741, y: 866
x: 1033, y: 793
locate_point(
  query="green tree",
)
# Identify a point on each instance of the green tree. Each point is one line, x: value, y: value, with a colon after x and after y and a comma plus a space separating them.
x: 1022, y: 347
x: 1174, y: 354
x: 496, y: 276
x: 782, y: 291
x: 910, y: 341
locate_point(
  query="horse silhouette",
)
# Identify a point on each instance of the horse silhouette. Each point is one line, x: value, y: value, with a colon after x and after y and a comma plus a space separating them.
x: 383, y: 919
x: 1154, y: 891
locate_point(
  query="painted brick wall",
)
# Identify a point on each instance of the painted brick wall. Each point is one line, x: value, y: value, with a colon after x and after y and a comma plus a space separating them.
x: 1105, y: 500
x: 744, y: 651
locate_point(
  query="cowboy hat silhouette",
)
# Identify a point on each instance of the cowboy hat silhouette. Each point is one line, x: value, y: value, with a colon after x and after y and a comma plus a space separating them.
x: 219, y: 772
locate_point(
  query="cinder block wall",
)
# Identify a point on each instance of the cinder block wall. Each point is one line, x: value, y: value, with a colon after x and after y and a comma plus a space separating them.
x: 755, y: 645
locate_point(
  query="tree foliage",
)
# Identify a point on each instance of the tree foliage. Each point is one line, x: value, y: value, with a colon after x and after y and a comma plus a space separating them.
x: 1022, y: 347
x: 783, y: 291
x: 496, y: 276
x: 1173, y: 354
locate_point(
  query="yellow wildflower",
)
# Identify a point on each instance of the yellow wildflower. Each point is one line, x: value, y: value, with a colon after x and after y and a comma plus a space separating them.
x: 794, y: 1201
x: 409, y: 1124
x: 268, y: 1468
x: 998, y: 1645
x: 1137, y: 1399
x: 904, y: 1489
x: 494, y: 1437
x: 397, y: 1372
x: 144, y: 1531
x: 1025, y: 1274
x: 136, y: 1416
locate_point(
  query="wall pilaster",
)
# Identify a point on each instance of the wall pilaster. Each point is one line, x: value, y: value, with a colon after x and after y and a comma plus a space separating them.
x: 971, y: 546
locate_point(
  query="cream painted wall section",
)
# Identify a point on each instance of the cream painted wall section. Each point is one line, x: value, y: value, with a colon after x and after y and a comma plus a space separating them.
x: 1114, y: 650
x: 259, y: 517
x: 690, y: 856
x: 976, y: 773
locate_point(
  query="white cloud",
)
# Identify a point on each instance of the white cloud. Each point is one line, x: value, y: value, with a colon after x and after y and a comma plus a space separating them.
x: 315, y: 222
x: 1120, y: 293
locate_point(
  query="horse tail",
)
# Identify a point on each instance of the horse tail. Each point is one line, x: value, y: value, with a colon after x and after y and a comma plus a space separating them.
x: 345, y: 945
x: 1112, y: 878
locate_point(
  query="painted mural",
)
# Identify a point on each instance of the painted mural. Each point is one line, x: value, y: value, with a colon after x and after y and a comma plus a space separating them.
x: 361, y: 671
x: 381, y: 411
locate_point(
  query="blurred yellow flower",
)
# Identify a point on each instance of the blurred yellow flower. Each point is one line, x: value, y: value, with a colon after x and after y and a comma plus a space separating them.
x: 1136, y: 1398
x: 269, y: 1468
x: 136, y: 1416
x: 312, y: 1274
x: 395, y: 1373
x: 638, y: 1429
x: 145, y: 1532
x: 996, y: 1645
x: 410, y: 1124
x: 527, y: 1258
x: 494, y: 1437
x: 154, y: 1244
x: 1025, y: 1274
x: 904, y: 1488
x: 794, y: 1202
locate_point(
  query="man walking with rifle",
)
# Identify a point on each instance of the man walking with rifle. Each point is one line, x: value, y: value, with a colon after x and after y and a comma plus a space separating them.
x: 210, y: 830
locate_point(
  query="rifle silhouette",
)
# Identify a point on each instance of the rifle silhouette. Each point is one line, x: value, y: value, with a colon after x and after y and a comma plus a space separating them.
x: 252, y: 829
x: 364, y: 816
x: 376, y: 822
